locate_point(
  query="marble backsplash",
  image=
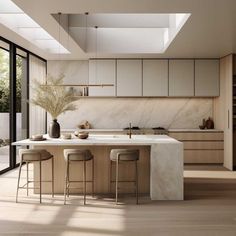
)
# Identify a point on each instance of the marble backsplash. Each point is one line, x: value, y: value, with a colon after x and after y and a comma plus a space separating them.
x: 142, y: 112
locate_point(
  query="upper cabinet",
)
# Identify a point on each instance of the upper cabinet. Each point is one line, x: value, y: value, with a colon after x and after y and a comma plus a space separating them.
x: 181, y: 78
x: 102, y: 72
x: 129, y: 78
x: 155, y: 78
x: 207, y: 78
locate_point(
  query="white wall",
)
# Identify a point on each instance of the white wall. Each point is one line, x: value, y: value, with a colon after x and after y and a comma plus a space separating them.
x: 118, y: 112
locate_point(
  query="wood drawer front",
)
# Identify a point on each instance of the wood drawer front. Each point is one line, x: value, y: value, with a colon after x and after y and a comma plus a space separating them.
x: 206, y: 145
x: 203, y: 156
x: 201, y: 136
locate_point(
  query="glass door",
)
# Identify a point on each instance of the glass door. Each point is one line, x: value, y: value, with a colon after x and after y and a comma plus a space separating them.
x: 21, y: 97
x: 17, y: 65
x: 4, y: 106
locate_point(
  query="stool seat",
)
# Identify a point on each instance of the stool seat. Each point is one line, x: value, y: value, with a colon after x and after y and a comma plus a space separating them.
x: 31, y: 155
x: 124, y: 155
x: 77, y: 155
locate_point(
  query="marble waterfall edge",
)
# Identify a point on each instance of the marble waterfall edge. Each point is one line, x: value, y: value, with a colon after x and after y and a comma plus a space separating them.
x: 167, y: 170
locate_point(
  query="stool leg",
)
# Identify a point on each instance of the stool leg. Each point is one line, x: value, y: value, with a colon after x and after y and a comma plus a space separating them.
x: 93, y: 177
x: 68, y: 179
x: 110, y: 185
x: 27, y: 177
x: 18, y: 182
x: 40, y: 181
x: 65, y: 182
x: 52, y: 176
x: 136, y: 180
x: 84, y: 181
x: 117, y: 179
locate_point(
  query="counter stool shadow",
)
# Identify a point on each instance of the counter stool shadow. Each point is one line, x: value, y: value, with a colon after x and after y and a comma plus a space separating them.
x: 124, y: 155
x: 30, y: 156
x: 77, y: 155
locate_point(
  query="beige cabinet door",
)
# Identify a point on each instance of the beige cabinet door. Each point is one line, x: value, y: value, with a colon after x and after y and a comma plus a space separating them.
x: 102, y: 72
x: 181, y: 78
x: 155, y: 78
x: 227, y: 105
x: 129, y: 78
x: 207, y: 83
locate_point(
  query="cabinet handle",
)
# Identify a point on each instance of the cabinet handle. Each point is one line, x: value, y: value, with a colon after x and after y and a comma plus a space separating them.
x: 228, y: 119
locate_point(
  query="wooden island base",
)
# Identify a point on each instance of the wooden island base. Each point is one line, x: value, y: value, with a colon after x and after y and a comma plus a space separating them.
x: 101, y: 170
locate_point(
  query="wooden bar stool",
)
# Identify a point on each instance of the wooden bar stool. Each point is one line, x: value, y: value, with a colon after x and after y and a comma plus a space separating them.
x: 73, y: 155
x: 124, y: 155
x: 29, y: 156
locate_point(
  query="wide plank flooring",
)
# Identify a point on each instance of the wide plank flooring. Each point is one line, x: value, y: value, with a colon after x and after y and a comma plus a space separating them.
x: 209, y: 209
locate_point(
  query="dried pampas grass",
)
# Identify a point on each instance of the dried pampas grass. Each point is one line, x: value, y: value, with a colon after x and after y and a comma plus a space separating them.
x: 53, y: 98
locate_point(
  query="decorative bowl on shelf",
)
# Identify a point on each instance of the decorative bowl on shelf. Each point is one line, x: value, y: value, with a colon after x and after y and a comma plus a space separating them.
x: 201, y: 126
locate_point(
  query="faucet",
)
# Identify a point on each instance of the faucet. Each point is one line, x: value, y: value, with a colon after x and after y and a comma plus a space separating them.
x: 130, y: 131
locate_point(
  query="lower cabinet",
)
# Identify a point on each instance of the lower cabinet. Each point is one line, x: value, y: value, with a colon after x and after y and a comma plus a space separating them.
x: 201, y: 147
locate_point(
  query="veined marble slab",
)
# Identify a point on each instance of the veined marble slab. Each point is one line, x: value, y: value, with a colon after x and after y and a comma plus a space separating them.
x: 170, y: 130
x: 166, y: 174
x: 117, y: 113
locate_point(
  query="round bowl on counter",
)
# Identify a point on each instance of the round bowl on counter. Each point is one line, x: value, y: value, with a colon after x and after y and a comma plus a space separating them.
x: 81, y: 134
x: 66, y: 136
x: 37, y: 136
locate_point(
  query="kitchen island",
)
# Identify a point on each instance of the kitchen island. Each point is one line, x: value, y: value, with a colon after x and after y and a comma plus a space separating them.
x: 160, y: 164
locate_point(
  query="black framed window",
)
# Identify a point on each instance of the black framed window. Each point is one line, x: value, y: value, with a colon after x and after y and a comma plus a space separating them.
x: 14, y: 96
x: 5, y: 161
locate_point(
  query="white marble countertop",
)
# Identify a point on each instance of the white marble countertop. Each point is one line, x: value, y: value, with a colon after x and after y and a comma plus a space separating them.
x: 101, y: 140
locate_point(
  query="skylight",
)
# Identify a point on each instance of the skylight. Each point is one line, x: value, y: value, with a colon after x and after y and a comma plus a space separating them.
x: 125, y: 33
x: 15, y: 19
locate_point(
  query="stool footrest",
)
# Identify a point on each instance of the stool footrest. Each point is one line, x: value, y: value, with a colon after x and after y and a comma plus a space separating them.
x: 28, y: 188
x: 73, y: 187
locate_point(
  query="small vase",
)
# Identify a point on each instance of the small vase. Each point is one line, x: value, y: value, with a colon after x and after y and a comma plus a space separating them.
x: 54, y: 129
x: 209, y: 123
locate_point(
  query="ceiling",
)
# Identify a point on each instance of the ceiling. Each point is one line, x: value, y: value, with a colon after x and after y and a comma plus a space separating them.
x: 210, y: 32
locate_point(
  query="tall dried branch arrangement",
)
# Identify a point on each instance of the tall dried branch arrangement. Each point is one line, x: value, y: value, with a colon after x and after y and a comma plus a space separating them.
x: 53, y: 98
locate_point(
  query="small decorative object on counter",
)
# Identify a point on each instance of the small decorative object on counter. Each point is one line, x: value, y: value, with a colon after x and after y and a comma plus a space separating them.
x: 209, y: 123
x: 66, y: 136
x: 83, y: 135
x: 85, y: 91
x: 84, y: 125
x: 37, y: 137
x: 54, y: 129
x: 203, y: 126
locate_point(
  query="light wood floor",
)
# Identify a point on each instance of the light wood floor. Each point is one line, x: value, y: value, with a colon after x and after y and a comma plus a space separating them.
x: 209, y: 209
